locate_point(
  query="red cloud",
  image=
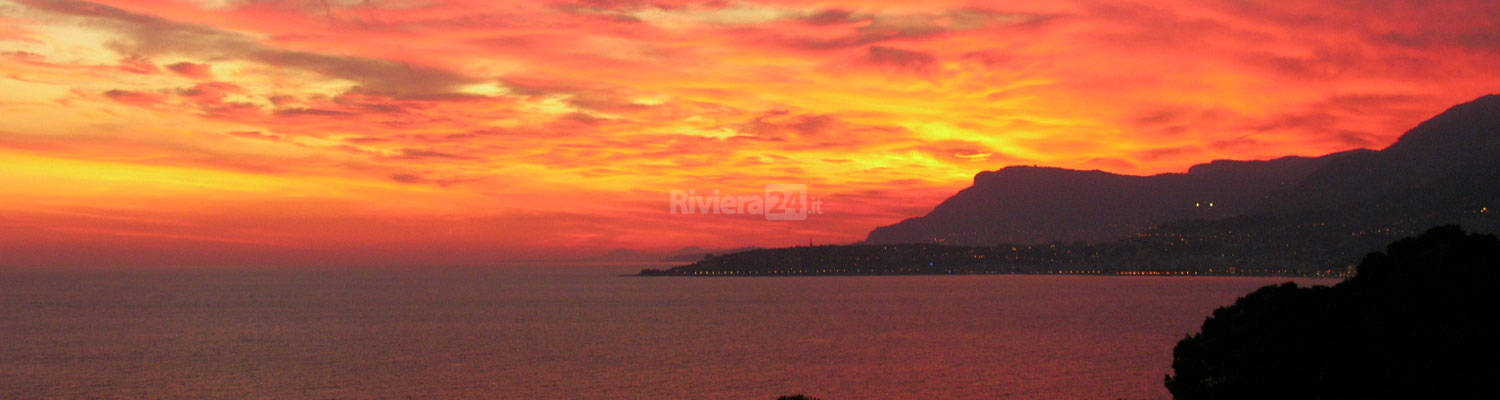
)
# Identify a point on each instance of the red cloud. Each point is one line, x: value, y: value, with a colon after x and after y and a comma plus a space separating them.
x: 138, y: 99
x: 572, y: 119
x: 191, y: 70
x: 138, y: 65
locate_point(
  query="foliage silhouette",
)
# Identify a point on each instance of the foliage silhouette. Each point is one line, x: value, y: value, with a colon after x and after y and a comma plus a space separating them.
x: 1417, y: 321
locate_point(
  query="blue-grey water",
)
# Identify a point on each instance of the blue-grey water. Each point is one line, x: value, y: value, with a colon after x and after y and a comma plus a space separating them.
x: 585, y: 333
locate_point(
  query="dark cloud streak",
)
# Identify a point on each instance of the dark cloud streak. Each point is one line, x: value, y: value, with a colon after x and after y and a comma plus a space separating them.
x: 150, y: 35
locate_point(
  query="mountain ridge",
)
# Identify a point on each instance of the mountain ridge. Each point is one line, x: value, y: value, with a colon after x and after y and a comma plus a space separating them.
x: 1289, y: 216
x: 1030, y: 204
x: 1094, y: 205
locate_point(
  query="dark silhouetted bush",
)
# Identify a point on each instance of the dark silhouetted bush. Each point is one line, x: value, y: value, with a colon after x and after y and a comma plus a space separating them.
x: 1417, y: 321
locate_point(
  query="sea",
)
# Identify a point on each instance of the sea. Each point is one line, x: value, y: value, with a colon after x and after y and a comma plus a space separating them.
x: 586, y: 332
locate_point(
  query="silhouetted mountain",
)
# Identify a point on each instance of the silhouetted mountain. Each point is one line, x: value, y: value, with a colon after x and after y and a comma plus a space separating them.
x: 1444, y: 162
x: 1436, y: 173
x: 1039, y: 205
x: 1294, y: 216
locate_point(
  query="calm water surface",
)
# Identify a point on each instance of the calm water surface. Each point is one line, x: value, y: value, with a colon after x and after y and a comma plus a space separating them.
x: 584, y: 333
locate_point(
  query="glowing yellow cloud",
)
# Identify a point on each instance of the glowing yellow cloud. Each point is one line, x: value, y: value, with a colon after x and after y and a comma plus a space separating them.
x: 459, y: 131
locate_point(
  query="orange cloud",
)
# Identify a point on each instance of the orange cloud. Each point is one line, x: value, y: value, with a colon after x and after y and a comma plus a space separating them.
x: 462, y: 132
x: 191, y: 70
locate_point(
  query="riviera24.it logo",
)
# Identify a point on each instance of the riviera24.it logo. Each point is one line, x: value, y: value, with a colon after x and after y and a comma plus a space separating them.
x: 778, y: 202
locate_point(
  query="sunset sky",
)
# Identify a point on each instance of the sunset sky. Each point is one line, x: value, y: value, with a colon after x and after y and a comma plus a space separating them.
x: 436, y: 132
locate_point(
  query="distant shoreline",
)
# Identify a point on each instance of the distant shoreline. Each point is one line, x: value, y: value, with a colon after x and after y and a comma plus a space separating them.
x: 1053, y: 259
x: 651, y: 273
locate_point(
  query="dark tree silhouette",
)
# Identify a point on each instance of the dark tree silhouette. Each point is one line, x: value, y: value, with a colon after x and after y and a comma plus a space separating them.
x: 1417, y: 321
